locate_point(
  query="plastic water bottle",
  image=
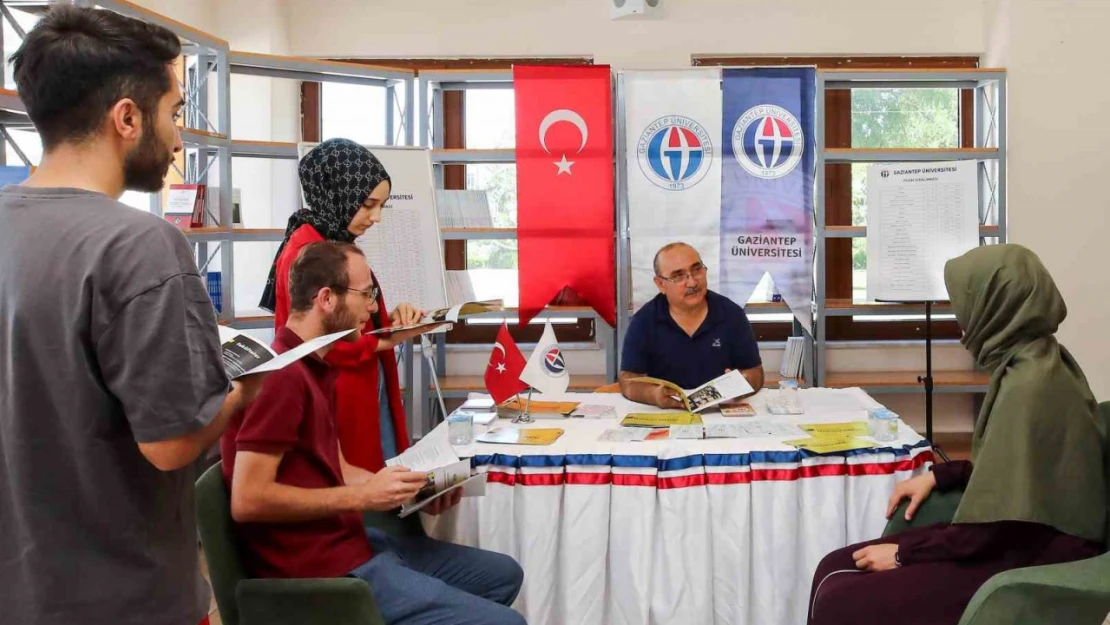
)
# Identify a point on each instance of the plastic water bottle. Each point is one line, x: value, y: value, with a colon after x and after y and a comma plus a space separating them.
x: 460, y: 427
x: 788, y: 400
x: 882, y: 424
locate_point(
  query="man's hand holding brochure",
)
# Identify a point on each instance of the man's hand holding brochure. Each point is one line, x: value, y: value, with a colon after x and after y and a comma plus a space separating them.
x: 245, y: 355
x: 446, y: 473
x: 718, y: 390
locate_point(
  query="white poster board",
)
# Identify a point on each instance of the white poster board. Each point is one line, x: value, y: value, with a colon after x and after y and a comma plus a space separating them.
x: 405, y: 250
x: 919, y: 216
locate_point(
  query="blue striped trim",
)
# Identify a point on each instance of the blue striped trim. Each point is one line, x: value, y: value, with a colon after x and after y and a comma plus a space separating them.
x: 675, y: 464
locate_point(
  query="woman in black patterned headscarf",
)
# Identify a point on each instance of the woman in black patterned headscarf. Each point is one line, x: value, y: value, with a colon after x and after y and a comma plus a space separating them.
x: 346, y: 187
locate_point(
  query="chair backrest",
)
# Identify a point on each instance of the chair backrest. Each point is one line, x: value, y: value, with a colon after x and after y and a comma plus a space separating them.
x: 1104, y: 410
x: 217, y: 537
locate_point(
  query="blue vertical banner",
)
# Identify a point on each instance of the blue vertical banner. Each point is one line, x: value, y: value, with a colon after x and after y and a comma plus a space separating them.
x: 767, y: 185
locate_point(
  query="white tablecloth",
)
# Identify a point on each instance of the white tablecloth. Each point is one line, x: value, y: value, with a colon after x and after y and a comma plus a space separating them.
x: 724, y: 531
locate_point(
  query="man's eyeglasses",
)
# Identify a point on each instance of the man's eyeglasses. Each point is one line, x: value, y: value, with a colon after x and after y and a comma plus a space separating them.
x: 696, y: 271
x: 370, y: 293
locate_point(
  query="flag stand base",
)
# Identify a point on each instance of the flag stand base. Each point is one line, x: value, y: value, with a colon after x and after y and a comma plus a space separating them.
x: 525, y: 415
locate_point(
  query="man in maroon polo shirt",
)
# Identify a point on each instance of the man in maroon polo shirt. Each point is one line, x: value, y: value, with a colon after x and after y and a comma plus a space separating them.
x: 298, y: 503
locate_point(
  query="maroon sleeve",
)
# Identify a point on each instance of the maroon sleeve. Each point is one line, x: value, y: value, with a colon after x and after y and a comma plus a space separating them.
x: 954, y: 542
x: 272, y: 422
x: 952, y: 475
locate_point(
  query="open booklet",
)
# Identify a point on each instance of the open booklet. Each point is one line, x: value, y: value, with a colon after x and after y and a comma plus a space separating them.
x: 447, y: 315
x: 729, y: 386
x: 246, y: 355
x: 434, y: 456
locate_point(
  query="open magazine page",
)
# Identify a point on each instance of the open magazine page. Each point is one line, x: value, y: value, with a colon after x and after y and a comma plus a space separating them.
x: 427, y: 455
x: 472, y: 486
x: 243, y: 353
x: 729, y: 386
x: 438, y: 319
x: 435, y: 457
x: 246, y: 355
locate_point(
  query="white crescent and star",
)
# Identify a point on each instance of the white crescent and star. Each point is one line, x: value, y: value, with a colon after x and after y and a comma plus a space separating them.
x: 571, y: 117
x: 504, y: 356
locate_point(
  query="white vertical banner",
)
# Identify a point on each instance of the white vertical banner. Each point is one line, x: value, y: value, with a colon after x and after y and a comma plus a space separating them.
x: 672, y: 126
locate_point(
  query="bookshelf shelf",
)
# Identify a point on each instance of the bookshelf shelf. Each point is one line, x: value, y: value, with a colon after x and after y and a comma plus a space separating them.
x: 857, y: 155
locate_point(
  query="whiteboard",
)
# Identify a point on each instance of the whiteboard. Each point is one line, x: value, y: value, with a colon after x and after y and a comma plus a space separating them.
x: 919, y: 216
x: 405, y: 250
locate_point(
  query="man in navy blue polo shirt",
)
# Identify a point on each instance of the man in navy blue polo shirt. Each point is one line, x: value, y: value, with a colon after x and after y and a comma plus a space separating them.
x: 687, y: 334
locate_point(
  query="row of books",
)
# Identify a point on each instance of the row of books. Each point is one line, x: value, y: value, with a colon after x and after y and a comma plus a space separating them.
x: 463, y: 209
x: 792, y: 357
x: 186, y: 205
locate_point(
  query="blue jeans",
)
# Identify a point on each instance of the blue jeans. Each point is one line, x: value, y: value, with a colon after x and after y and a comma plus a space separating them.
x: 417, y: 580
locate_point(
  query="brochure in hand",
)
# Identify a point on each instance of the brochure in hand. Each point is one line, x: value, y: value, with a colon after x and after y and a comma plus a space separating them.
x: 245, y: 355
x: 446, y: 472
x: 444, y: 316
x: 728, y: 386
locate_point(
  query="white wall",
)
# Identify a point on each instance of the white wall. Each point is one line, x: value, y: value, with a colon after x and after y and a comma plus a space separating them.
x: 447, y: 28
x: 1056, y: 53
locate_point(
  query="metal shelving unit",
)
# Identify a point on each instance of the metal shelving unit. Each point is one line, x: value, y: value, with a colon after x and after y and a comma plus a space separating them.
x: 207, y: 139
x: 399, y: 86
x: 989, y: 151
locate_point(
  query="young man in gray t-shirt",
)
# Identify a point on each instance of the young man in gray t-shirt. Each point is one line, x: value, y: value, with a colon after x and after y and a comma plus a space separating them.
x: 111, y: 377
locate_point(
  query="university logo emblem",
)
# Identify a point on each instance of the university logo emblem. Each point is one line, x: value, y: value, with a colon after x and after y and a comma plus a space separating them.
x: 553, y: 364
x: 767, y: 141
x: 674, y: 152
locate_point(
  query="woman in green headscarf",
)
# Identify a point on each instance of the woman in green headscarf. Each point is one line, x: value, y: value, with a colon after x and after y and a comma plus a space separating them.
x: 1035, y: 491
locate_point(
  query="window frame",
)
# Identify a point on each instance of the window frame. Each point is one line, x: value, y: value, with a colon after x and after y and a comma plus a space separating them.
x: 838, y: 181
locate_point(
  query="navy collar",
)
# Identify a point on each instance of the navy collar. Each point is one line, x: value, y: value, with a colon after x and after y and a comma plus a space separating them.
x: 713, y: 316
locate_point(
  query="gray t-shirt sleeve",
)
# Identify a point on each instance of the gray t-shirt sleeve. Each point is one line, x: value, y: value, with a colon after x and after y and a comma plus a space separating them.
x: 160, y: 356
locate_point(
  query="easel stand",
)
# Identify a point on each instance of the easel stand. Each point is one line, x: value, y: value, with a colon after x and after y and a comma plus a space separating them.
x: 928, y: 377
x: 426, y: 350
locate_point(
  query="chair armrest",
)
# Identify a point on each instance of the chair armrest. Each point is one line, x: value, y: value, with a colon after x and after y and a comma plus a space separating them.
x: 938, y: 508
x: 1059, y: 594
x: 337, y: 601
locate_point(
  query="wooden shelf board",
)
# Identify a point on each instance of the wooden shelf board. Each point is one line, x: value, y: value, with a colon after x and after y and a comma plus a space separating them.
x: 180, y: 25
x: 272, y: 144
x: 861, y: 231
x: 202, y: 133
x: 833, y: 304
x: 338, y: 67
x: 479, y: 230
x: 877, y: 151
x: 259, y: 230
x: 254, y: 319
x: 477, y: 384
x: 912, y: 70
x: 845, y: 379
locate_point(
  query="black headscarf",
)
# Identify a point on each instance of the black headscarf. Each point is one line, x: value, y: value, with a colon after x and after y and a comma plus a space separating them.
x: 337, y: 176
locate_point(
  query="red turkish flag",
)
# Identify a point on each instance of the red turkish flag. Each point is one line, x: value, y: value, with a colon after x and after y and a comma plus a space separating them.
x: 564, y: 177
x: 504, y: 368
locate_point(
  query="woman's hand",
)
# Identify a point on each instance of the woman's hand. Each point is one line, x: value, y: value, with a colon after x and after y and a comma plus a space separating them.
x: 876, y: 558
x: 406, y: 314
x: 916, y: 490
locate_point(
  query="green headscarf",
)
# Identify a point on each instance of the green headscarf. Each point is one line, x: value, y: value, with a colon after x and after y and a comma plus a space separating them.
x: 1039, y: 443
